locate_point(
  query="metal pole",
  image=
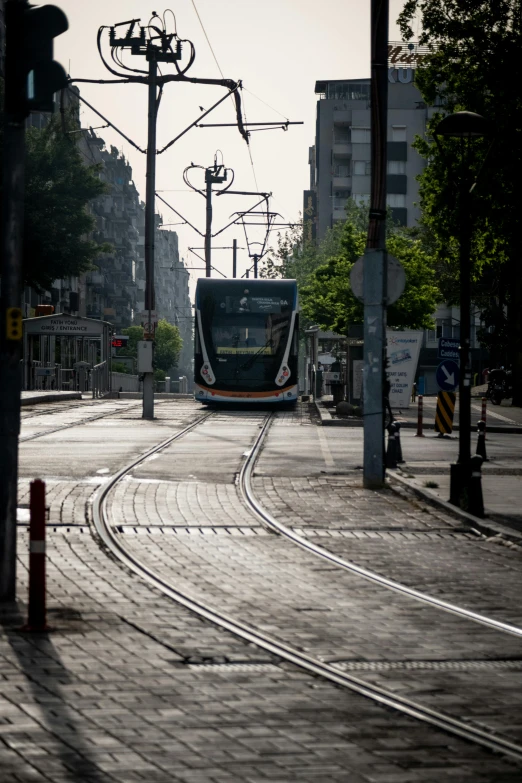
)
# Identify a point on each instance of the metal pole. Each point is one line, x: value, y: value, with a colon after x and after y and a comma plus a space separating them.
x: 208, y: 230
x: 148, y: 378
x: 255, y: 266
x: 234, y: 258
x: 375, y: 262
x: 465, y: 334
x: 11, y: 297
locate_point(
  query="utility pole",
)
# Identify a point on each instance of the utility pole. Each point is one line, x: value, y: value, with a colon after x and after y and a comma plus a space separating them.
x: 375, y: 260
x: 256, y: 259
x: 31, y: 78
x: 148, y: 377
x: 156, y: 48
x: 213, y: 175
x: 234, y: 258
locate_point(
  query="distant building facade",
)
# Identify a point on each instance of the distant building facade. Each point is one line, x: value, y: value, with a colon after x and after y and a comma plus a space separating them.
x: 114, y: 290
x: 340, y: 160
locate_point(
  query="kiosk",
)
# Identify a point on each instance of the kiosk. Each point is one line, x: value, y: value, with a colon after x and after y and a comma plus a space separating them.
x: 65, y: 352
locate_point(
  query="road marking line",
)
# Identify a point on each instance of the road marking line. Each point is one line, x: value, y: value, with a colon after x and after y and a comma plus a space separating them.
x: 495, y: 415
x: 323, y: 443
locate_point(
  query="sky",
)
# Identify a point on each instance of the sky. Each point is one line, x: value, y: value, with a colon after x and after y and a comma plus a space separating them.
x: 278, y: 48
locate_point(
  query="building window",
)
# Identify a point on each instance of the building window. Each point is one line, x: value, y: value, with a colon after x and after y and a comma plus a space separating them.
x: 362, y: 168
x: 341, y: 135
x: 348, y: 91
x: 396, y: 200
x: 396, y: 167
x: 341, y: 170
x: 361, y: 135
x: 398, y: 133
x: 363, y: 199
x: 339, y: 198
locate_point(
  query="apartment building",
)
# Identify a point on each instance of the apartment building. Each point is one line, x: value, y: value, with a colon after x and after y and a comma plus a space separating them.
x: 340, y: 168
x: 340, y: 160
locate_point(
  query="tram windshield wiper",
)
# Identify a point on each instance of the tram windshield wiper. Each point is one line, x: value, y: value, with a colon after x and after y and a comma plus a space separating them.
x: 250, y: 361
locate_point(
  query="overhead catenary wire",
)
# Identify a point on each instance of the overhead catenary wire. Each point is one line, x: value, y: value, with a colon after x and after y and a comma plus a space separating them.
x: 208, y: 39
x: 249, y: 146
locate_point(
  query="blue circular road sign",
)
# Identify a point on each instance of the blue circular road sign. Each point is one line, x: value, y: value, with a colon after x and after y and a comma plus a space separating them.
x: 447, y: 375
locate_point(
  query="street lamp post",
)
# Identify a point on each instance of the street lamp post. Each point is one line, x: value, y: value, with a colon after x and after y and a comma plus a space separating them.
x: 463, y: 125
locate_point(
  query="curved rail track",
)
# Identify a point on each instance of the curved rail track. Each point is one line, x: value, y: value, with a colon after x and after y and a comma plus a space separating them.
x: 284, y: 651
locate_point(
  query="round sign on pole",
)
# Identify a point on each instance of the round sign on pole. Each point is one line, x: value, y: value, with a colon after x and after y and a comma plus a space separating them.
x: 396, y: 279
x: 447, y: 375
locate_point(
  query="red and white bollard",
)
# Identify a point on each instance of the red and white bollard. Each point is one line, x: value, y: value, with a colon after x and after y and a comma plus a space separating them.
x: 419, y: 433
x: 36, y: 620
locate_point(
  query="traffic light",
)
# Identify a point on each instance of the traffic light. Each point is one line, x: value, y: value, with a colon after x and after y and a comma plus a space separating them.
x: 13, y: 323
x: 31, y: 75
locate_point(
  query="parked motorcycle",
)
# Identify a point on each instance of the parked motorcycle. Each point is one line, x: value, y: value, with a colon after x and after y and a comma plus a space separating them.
x: 500, y: 385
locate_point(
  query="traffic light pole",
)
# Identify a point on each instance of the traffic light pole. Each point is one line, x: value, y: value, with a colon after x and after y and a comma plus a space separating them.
x: 148, y: 377
x: 12, y: 221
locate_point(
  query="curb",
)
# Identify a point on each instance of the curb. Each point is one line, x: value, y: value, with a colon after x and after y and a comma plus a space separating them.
x: 58, y: 397
x: 327, y: 420
x: 488, y: 528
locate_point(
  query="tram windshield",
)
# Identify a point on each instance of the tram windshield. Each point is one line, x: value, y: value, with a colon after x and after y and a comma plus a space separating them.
x: 253, y: 333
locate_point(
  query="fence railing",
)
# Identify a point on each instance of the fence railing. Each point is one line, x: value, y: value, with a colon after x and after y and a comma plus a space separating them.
x: 100, y: 379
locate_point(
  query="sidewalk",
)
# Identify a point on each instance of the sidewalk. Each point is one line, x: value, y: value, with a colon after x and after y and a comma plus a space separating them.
x: 499, y: 418
x: 35, y: 397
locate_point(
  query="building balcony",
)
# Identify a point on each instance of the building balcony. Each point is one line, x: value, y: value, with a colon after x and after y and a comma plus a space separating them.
x: 342, y: 182
x: 339, y: 213
x: 342, y: 149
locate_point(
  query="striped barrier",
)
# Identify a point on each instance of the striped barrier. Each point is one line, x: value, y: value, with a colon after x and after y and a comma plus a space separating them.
x: 444, y: 414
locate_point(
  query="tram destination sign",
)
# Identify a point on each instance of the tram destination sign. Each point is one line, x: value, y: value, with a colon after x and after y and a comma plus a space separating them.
x: 64, y: 325
x: 253, y: 304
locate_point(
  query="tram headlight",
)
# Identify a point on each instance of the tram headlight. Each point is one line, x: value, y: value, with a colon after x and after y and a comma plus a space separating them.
x: 283, y: 375
x: 207, y: 374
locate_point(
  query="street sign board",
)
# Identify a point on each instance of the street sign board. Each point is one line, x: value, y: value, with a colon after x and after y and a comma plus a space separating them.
x: 449, y: 348
x: 396, y: 279
x: 447, y: 375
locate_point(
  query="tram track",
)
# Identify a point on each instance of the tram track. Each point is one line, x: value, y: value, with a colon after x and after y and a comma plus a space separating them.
x: 59, y: 428
x: 287, y: 652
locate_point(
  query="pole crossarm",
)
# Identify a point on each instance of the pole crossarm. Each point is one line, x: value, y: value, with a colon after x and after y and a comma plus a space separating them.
x: 195, y: 123
x: 111, y: 124
x: 239, y: 216
x: 179, y: 214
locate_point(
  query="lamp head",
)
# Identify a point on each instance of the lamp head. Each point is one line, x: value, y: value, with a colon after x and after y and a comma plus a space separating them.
x: 463, y: 124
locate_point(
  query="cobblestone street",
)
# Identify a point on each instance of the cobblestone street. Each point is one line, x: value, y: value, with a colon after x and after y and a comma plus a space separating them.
x: 129, y: 686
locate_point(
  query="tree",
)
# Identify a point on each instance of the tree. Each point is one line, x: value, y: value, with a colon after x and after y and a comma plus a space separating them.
x: 328, y: 300
x: 296, y: 259
x: 58, y: 189
x: 168, y: 345
x: 474, y: 62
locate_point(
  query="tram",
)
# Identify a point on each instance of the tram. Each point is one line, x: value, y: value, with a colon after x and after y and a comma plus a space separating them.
x: 246, y: 341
